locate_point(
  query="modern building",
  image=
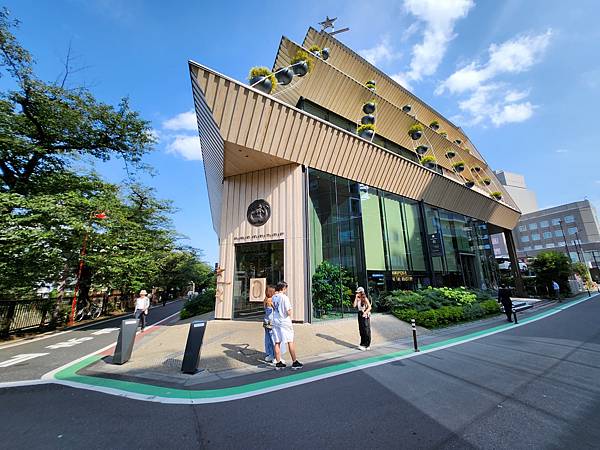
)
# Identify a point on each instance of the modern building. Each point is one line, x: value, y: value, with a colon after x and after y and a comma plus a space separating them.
x: 295, y: 191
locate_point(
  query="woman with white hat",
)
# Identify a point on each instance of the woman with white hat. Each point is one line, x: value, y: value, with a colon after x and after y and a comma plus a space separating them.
x: 142, y: 303
x: 362, y: 303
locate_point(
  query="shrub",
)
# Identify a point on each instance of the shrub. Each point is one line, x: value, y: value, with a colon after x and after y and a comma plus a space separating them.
x: 301, y: 55
x: 314, y: 49
x: 428, y: 159
x: 199, y: 304
x: 414, y: 128
x: 490, y: 307
x: 263, y: 72
x: 552, y: 266
x: 364, y: 127
x: 328, y: 283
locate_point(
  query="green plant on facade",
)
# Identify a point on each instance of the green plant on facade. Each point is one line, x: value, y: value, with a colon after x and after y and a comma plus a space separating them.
x: 443, y: 133
x: 428, y: 159
x: 314, y: 49
x: 366, y: 126
x: 415, y: 128
x: 301, y: 55
x: 332, y: 287
x: 552, y: 266
x: 496, y: 194
x: 435, y: 124
x: 370, y: 84
x: 486, y: 181
x: 450, y: 154
x: 263, y: 72
x: 459, y: 165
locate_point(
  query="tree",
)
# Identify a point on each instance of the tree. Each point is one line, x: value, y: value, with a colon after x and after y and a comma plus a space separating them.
x: 582, y: 270
x: 44, y: 126
x: 331, y: 287
x: 552, y: 266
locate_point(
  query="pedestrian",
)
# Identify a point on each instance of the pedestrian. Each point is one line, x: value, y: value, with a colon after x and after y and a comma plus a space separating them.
x: 504, y: 298
x: 363, y: 305
x: 142, y: 303
x: 283, y: 331
x: 556, y: 288
x: 163, y: 297
x: 268, y: 327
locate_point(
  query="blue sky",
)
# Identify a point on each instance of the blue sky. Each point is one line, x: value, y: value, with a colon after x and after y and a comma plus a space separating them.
x: 520, y: 76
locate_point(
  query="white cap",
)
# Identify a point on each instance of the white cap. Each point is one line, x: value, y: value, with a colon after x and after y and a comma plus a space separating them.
x: 360, y: 290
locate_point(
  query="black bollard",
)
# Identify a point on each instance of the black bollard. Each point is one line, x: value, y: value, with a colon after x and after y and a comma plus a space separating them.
x: 414, y: 332
x: 515, y: 316
x: 125, y: 341
x: 193, y: 346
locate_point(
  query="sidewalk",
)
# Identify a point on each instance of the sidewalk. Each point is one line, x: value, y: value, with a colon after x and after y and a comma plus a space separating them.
x: 232, y: 351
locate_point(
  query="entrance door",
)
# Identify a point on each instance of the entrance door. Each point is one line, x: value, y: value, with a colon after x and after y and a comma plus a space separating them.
x: 255, y: 260
x: 468, y: 270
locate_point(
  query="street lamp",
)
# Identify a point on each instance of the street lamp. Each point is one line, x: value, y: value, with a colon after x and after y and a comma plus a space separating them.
x: 560, y: 222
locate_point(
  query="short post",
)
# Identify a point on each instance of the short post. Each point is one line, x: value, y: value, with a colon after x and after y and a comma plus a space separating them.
x: 414, y: 333
x: 193, y: 346
x: 125, y: 341
x: 515, y: 315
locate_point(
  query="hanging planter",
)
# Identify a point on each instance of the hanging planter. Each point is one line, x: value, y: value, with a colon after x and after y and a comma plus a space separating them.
x: 315, y: 50
x: 416, y: 131
x: 262, y: 78
x: 469, y: 183
x: 475, y: 169
x: 284, y: 76
x: 369, y: 107
x: 325, y: 53
x: 369, y: 119
x: 450, y: 154
x: 486, y: 181
x: 302, y: 63
x: 366, y: 131
x: 444, y: 134
x: 429, y: 162
x: 407, y: 108
x: 496, y: 194
x: 421, y: 149
x: 435, y: 125
x: 459, y: 166
x: 457, y: 141
x: 370, y: 85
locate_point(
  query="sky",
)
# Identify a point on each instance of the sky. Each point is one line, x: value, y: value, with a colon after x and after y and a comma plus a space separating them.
x: 521, y: 77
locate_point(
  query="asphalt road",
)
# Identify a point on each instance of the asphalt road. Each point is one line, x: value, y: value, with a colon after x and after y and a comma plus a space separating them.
x: 535, y: 386
x: 29, y: 360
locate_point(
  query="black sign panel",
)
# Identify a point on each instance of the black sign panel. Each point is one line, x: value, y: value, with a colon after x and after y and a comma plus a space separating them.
x: 435, y: 244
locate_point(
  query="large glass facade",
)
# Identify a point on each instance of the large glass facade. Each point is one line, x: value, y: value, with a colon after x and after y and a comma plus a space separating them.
x: 384, y: 242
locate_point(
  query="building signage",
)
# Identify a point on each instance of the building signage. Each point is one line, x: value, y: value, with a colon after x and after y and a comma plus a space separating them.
x: 259, y: 212
x: 435, y: 244
x: 258, y: 236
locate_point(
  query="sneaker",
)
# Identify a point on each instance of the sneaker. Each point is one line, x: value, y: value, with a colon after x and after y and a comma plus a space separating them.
x: 269, y: 359
x: 280, y: 366
x: 361, y: 348
x: 297, y: 365
x: 367, y: 348
x: 282, y: 360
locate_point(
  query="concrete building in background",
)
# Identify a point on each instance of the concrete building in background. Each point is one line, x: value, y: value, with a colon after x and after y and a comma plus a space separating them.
x: 514, y: 184
x: 295, y: 191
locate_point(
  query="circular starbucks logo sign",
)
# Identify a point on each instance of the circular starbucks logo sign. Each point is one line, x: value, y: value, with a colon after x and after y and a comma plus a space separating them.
x: 259, y: 212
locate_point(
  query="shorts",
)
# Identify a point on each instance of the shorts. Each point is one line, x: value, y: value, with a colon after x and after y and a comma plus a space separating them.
x: 283, y: 333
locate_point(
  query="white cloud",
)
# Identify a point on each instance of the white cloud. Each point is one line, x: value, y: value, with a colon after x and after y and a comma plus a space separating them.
x: 381, y: 53
x: 437, y: 19
x: 492, y: 101
x: 400, y: 78
x: 562, y: 150
x: 186, y: 146
x: 182, y: 121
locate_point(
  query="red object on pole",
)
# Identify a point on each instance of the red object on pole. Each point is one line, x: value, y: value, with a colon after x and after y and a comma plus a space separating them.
x: 100, y: 216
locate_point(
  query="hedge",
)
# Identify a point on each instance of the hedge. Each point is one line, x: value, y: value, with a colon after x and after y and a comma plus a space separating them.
x: 448, y: 315
x: 200, y: 304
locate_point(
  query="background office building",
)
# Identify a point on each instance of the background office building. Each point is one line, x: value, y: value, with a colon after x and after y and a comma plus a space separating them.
x: 297, y: 194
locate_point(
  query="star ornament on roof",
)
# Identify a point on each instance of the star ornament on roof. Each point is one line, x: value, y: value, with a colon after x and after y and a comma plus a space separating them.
x: 327, y: 23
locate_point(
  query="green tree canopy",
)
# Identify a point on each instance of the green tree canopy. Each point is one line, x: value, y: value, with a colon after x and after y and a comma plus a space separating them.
x: 552, y: 266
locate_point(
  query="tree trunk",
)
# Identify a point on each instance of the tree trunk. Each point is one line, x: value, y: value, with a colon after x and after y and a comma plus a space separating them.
x: 60, y: 296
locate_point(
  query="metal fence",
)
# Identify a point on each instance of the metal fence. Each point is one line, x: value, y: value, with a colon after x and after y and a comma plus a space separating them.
x: 17, y: 315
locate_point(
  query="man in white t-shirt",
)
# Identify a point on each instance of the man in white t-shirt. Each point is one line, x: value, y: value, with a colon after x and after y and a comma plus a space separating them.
x: 142, y: 303
x: 283, y: 331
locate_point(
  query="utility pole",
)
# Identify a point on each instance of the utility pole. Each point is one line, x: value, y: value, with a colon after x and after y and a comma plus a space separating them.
x: 560, y: 222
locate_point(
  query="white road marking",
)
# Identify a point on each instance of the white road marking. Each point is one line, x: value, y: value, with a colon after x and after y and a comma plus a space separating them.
x: 70, y: 342
x: 21, y: 358
x: 104, y: 331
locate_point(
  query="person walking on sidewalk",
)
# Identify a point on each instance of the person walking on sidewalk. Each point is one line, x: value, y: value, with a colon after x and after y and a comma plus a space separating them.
x: 362, y: 303
x: 504, y: 298
x: 142, y: 303
x: 283, y: 331
x: 268, y: 327
x: 556, y: 288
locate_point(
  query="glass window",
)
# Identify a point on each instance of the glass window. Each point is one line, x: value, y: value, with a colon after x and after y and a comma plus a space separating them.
x: 557, y: 233
x: 569, y: 219
x: 526, y: 248
x: 371, y: 220
x: 524, y: 238
x: 395, y: 234
x: 555, y: 221
x: 533, y: 226
x: 571, y: 230
x: 522, y: 228
x: 547, y: 234
x: 544, y: 224
x: 561, y: 244
x: 413, y: 234
x: 551, y: 245
x: 535, y: 237
x: 538, y: 247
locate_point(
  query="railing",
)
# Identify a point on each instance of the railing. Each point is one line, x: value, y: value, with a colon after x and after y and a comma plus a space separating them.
x: 17, y: 315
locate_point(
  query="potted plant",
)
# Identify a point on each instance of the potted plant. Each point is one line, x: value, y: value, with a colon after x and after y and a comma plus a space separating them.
x: 416, y: 131
x: 407, y: 108
x: 476, y: 169
x: 366, y: 131
x: 428, y: 161
x: 369, y: 119
x: 370, y: 85
x: 443, y: 133
x: 469, y: 183
x: 421, y: 149
x: 262, y: 79
x: 458, y: 166
x: 315, y: 50
x: 302, y: 63
x: 284, y: 76
x: 435, y: 125
x: 325, y: 53
x: 450, y: 154
x: 496, y: 194
x: 486, y: 181
x: 457, y: 141
x: 369, y: 107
